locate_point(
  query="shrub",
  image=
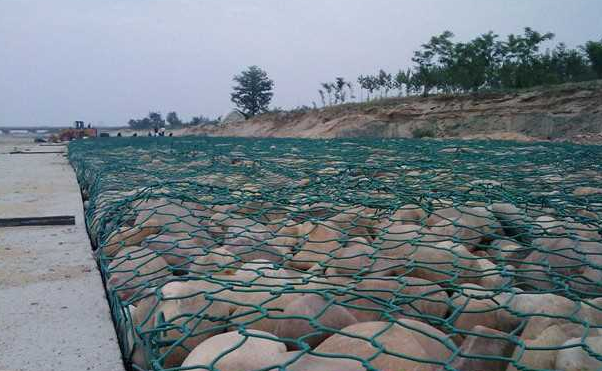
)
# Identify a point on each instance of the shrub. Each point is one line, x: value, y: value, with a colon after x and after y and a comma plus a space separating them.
x: 424, y: 132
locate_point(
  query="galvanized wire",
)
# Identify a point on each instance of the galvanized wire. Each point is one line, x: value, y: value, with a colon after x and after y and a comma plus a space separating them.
x: 281, y: 254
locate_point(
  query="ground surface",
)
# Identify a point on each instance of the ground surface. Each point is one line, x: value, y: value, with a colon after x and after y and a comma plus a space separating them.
x: 53, y: 310
x: 568, y: 112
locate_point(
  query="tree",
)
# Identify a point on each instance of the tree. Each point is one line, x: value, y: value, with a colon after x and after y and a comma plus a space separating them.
x: 594, y: 53
x: 368, y: 83
x: 339, y: 89
x: 156, y: 120
x: 473, y: 65
x: 349, y: 85
x: 340, y: 95
x: 253, y: 92
x: 328, y: 88
x: 429, y: 71
x: 522, y: 66
x: 173, y: 120
x: 385, y: 82
x: 402, y: 79
x: 153, y: 120
x: 322, y: 97
x: 202, y: 120
x: 486, y: 62
x: 363, y: 83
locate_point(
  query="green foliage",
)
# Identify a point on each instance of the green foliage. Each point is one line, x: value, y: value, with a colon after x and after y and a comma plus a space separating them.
x: 202, y: 120
x: 322, y: 97
x: 424, y: 132
x: 173, y: 120
x: 594, y: 53
x: 488, y: 62
x: 337, y: 89
x: 402, y: 79
x: 253, y: 92
x: 153, y: 120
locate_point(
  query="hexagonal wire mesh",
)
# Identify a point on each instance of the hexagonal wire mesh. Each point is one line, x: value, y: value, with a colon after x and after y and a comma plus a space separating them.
x: 267, y: 254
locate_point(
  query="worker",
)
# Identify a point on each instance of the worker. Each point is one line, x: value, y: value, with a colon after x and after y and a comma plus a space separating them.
x: 171, y: 134
x: 156, y: 131
x: 162, y: 132
x: 119, y: 134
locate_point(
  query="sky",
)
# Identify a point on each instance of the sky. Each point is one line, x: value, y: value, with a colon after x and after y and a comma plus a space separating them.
x: 106, y: 61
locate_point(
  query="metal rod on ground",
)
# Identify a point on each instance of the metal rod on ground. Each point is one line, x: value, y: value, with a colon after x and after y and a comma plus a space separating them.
x: 38, y: 221
x: 33, y: 152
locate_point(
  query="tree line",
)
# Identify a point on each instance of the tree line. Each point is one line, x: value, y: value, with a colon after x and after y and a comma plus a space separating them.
x: 172, y: 121
x: 252, y: 94
x: 440, y: 66
x: 484, y: 63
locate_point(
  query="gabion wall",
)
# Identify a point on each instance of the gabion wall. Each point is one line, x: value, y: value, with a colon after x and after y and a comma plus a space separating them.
x: 332, y: 255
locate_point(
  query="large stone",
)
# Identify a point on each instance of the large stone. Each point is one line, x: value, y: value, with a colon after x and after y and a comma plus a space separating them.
x: 179, y: 249
x: 307, y: 362
x: 322, y: 240
x: 236, y: 351
x: 254, y: 350
x: 407, y: 338
x: 483, y: 342
x: 373, y: 299
x: 287, y: 235
x: 356, y: 222
x: 398, y: 240
x: 562, y: 258
x: 540, y: 310
x: 247, y: 251
x: 232, y: 117
x: 541, y: 352
x: 135, y: 272
x: 409, y: 214
x: 124, y: 237
x: 587, y: 191
x: 575, y: 358
x: 508, y: 252
x: 358, y: 256
x: 514, y: 221
x: 170, y: 216
x: 311, y: 319
x: 265, y: 314
x: 189, y: 306
x: 220, y: 222
x: 215, y: 261
x: 546, y: 225
x: 474, y: 305
x: 444, y: 262
x: 468, y: 225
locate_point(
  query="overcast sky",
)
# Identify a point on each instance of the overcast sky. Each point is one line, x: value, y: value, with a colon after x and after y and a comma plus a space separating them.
x: 106, y: 61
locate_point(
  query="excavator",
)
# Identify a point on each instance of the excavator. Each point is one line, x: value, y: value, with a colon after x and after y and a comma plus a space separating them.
x: 79, y: 131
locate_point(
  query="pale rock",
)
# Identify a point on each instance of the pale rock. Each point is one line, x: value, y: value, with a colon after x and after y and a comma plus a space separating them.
x: 407, y: 337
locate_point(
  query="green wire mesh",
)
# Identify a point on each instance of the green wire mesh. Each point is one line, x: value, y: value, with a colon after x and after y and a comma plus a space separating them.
x: 331, y: 255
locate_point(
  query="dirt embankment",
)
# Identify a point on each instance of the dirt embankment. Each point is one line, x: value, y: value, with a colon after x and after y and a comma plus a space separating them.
x: 566, y: 112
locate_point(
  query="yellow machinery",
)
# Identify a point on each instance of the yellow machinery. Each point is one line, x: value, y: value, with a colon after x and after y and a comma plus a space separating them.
x: 78, y: 132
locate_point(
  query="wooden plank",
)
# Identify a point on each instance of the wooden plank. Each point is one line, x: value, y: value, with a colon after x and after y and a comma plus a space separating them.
x: 38, y: 221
